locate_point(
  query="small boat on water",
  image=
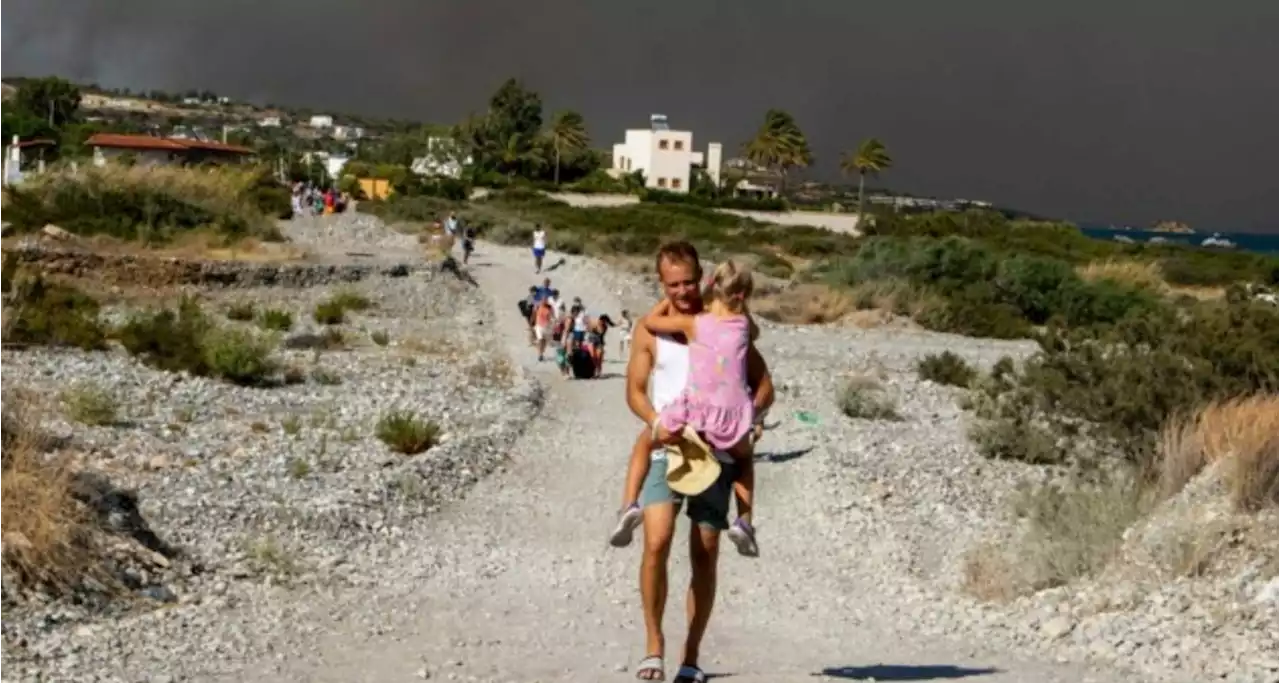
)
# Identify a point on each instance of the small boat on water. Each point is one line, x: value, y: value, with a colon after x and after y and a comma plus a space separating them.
x: 1217, y: 240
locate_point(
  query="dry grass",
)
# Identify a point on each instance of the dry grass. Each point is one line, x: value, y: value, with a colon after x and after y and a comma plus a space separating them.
x: 804, y: 304
x: 1145, y: 274
x: 225, y: 194
x: 204, y: 245
x: 47, y: 534
x: 898, y: 297
x: 1240, y: 434
x: 989, y: 575
x: 1068, y: 531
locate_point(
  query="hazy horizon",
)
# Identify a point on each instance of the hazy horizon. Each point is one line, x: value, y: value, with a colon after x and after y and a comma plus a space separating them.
x: 1091, y: 112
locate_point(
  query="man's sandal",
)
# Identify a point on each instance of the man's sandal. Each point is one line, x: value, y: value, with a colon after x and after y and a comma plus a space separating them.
x: 651, y: 665
x: 689, y: 674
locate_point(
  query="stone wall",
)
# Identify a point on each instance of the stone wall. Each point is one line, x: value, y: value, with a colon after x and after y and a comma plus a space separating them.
x: 156, y: 271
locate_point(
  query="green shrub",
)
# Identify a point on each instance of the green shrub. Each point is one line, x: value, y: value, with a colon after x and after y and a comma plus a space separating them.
x: 239, y: 356
x: 351, y: 301
x: 404, y: 433
x: 185, y: 340
x: 1106, y: 392
x: 50, y: 314
x: 742, y: 203
x: 333, y: 311
x: 380, y: 337
x: 146, y: 203
x: 416, y: 209
x: 275, y: 320
x: 946, y: 368
x: 862, y: 398
x: 329, y: 312
x: 90, y: 404
x: 168, y: 339
x: 242, y: 310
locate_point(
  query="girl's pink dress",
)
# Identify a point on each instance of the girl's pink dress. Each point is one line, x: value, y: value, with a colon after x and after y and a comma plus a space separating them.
x: 716, y: 401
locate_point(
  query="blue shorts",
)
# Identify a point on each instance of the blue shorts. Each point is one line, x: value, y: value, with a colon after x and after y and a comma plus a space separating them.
x: 539, y: 253
x: 708, y: 509
x: 579, y: 337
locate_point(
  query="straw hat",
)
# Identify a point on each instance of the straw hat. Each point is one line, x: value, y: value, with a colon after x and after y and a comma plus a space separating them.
x: 691, y: 467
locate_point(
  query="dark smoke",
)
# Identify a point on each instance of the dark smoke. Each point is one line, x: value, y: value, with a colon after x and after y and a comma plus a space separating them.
x: 1125, y: 112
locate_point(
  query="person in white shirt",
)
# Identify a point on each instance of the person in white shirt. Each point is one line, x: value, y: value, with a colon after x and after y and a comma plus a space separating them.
x: 451, y: 224
x: 539, y: 247
x: 557, y: 304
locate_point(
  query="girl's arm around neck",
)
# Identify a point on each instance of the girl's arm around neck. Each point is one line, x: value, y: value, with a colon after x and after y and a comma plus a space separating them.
x: 667, y: 322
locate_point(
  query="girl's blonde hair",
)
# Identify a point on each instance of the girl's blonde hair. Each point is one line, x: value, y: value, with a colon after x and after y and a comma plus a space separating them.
x: 731, y: 284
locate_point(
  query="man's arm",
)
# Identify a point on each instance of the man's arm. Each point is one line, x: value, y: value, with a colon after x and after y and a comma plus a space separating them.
x: 759, y: 380
x: 639, y: 366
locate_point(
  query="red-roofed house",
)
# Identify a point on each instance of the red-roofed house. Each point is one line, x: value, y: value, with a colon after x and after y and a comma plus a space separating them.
x: 148, y: 150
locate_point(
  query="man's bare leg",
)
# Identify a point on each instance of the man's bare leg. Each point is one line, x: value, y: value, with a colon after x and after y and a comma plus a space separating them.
x: 659, y: 526
x: 704, y: 555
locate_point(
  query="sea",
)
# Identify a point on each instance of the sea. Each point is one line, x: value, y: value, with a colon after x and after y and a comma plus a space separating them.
x: 1261, y: 244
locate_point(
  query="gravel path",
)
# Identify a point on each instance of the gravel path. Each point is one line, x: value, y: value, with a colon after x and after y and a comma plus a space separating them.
x: 518, y: 584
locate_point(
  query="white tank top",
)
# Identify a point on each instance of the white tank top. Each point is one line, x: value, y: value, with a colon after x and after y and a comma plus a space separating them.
x: 670, y: 375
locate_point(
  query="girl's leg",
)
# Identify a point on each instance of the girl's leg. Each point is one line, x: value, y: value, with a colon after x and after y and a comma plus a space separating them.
x: 637, y: 467
x: 630, y: 515
x: 741, y: 533
x: 744, y: 486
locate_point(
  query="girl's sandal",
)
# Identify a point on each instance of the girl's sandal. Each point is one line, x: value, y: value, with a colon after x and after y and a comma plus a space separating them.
x: 651, y: 665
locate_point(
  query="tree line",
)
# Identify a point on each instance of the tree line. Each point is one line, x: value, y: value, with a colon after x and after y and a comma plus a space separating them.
x: 513, y: 138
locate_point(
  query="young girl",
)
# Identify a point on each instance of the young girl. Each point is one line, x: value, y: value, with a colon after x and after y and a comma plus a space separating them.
x: 716, y: 402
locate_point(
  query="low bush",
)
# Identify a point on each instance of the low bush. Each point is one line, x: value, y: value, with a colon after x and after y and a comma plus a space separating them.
x: 152, y: 204
x: 46, y: 313
x: 638, y: 229
x: 329, y: 312
x: 405, y: 433
x: 417, y: 209
x: 90, y: 404
x: 1068, y: 531
x: 1178, y: 264
x: 275, y: 320
x: 946, y: 368
x: 862, y: 398
x: 333, y: 311
x: 1106, y: 392
x: 241, y: 310
x: 741, y: 203
x: 185, y: 340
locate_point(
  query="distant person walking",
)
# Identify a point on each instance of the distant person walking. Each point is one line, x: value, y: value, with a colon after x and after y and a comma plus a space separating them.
x: 539, y: 247
x: 468, y: 243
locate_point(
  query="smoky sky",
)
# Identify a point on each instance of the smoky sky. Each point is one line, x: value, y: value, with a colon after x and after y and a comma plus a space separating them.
x: 1117, y: 112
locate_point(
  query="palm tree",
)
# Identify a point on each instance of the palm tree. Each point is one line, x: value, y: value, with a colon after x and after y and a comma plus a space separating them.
x: 567, y: 133
x: 779, y: 145
x: 870, y: 159
x: 516, y: 152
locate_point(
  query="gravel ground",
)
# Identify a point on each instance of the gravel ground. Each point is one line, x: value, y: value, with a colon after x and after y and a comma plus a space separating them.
x: 275, y: 493
x: 862, y: 525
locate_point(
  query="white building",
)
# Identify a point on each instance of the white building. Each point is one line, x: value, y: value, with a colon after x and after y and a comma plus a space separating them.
x: 665, y: 156
x: 269, y: 122
x: 321, y: 121
x: 347, y: 132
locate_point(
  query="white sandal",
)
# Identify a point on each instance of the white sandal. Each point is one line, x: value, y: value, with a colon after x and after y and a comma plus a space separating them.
x: 651, y: 664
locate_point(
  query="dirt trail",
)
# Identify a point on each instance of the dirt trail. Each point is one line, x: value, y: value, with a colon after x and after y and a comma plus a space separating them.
x: 520, y: 585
